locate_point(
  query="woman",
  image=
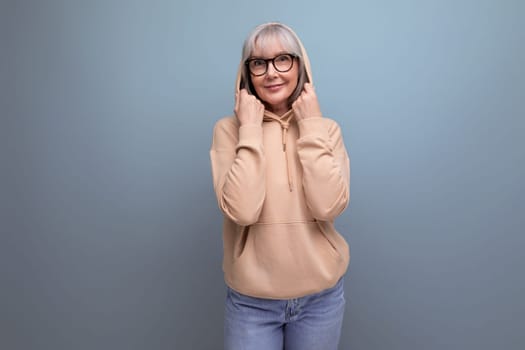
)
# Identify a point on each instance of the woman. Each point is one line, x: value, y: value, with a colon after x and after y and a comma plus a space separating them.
x: 281, y: 174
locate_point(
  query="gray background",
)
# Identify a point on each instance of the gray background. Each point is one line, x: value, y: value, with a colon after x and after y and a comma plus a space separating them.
x: 110, y: 233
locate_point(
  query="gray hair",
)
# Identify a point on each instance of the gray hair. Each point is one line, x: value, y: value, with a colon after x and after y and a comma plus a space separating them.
x: 261, y: 35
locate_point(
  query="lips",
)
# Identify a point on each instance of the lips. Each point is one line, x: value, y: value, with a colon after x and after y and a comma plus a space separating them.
x: 274, y: 87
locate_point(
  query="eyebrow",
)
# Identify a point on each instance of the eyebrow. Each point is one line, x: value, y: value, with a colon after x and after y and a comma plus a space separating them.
x: 267, y: 58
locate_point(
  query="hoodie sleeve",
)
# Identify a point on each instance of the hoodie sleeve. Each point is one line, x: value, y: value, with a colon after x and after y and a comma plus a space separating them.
x: 238, y: 163
x: 326, y: 167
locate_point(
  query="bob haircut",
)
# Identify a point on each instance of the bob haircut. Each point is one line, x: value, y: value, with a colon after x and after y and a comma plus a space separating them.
x: 261, y: 36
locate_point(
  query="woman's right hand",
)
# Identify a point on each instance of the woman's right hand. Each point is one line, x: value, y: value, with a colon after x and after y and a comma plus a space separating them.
x: 248, y: 109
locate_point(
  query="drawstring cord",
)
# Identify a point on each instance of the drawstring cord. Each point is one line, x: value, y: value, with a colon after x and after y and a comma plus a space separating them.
x: 284, y: 121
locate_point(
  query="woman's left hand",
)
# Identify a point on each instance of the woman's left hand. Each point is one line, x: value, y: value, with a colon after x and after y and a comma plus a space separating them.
x: 307, y: 105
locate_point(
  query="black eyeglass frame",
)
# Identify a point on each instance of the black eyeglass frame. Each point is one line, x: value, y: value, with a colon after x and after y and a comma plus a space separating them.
x: 267, y: 60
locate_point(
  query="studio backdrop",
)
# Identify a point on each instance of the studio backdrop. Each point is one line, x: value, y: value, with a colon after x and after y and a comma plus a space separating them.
x: 110, y: 232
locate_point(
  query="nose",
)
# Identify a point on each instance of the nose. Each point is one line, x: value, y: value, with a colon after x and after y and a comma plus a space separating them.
x: 271, y: 71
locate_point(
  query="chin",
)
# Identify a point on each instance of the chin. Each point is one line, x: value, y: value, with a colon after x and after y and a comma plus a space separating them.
x: 276, y: 100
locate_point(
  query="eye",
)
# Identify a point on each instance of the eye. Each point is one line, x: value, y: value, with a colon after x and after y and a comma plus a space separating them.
x: 283, y: 58
x: 258, y: 63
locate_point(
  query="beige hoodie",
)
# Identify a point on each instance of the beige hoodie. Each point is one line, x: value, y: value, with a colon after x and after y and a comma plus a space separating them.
x: 280, y: 185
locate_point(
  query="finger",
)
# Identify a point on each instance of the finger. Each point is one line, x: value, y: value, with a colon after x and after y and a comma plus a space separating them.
x: 304, y: 93
x: 243, y: 92
x: 236, y: 107
x: 309, y: 88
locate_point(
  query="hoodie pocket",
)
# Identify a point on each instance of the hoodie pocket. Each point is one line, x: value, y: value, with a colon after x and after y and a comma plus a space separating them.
x: 282, y: 245
x: 240, y: 244
x: 337, y: 242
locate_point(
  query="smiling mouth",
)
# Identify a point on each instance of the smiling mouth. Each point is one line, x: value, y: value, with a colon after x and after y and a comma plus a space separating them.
x: 274, y: 87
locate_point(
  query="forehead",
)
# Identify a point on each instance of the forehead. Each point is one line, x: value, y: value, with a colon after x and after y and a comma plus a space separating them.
x: 268, y: 46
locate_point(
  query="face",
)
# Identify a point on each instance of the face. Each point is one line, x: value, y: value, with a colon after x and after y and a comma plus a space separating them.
x: 274, y: 87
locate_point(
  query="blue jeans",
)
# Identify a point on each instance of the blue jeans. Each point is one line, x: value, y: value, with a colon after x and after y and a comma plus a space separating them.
x: 312, y: 322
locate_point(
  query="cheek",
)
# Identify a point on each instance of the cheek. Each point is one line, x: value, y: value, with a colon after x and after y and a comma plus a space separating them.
x: 257, y: 84
x: 295, y: 81
x: 295, y: 76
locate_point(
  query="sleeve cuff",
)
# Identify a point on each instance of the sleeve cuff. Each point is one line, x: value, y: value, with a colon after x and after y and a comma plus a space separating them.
x: 250, y: 134
x: 313, y: 127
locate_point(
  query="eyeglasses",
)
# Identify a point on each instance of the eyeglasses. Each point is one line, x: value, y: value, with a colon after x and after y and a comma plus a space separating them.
x: 259, y: 66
